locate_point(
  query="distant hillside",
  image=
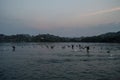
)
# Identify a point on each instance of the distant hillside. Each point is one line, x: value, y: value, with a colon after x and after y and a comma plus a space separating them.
x: 29, y: 38
x: 112, y: 37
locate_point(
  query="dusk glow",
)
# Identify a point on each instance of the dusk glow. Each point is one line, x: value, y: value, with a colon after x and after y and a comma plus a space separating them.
x: 60, y: 17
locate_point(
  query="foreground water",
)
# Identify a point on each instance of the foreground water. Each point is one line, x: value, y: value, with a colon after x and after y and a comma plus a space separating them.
x: 58, y: 61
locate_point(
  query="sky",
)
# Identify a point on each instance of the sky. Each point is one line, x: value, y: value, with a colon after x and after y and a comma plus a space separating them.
x: 67, y: 18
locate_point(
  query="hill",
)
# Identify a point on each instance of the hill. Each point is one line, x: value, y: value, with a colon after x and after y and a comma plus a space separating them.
x: 112, y: 37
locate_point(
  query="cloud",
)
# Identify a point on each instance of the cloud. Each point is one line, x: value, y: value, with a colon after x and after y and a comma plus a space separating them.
x: 102, y: 12
x: 93, y: 18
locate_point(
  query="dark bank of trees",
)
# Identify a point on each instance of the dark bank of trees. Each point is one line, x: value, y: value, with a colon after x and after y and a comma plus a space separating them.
x: 113, y: 37
x: 15, y: 38
x: 29, y: 38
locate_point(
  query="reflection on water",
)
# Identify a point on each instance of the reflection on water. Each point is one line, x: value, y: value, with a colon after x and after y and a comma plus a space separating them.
x: 59, y: 61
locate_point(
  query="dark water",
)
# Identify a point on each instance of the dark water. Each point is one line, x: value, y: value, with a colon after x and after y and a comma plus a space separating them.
x: 58, y: 61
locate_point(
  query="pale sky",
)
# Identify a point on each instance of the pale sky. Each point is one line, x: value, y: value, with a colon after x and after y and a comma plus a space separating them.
x: 72, y: 18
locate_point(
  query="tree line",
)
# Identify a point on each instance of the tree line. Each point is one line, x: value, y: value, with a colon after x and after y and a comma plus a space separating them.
x: 112, y: 37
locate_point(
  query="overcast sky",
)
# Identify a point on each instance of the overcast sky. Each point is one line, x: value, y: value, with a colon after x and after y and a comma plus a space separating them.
x: 72, y: 18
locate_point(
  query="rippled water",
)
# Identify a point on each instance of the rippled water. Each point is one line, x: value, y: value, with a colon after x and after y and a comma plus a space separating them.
x: 39, y: 61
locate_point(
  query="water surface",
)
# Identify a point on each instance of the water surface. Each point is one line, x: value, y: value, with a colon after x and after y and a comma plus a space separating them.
x: 58, y: 61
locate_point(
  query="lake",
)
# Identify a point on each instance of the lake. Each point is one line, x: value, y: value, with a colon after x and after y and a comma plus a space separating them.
x: 59, y: 61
